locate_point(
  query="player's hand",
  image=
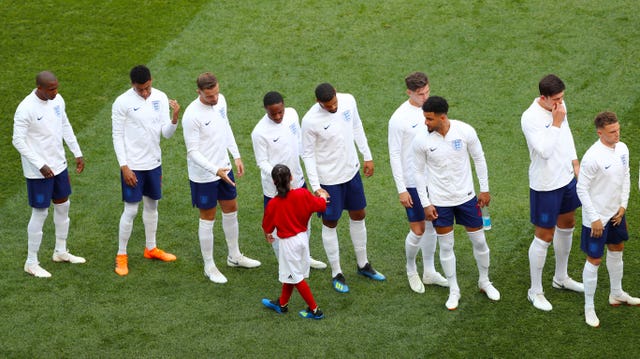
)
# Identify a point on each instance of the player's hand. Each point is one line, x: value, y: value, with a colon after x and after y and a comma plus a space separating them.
x: 322, y: 193
x: 483, y: 199
x: 405, y: 199
x: 596, y: 229
x: 558, y: 112
x: 269, y: 237
x: 175, y: 106
x: 431, y: 213
x: 129, y: 176
x: 79, y: 164
x: 223, y: 173
x: 368, y: 168
x: 46, y: 172
x: 239, y: 167
x: 617, y: 219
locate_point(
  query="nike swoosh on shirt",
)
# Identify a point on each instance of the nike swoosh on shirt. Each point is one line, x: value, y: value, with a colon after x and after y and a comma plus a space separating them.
x: 136, y: 108
x: 547, y: 126
x: 327, y: 126
x: 607, y: 167
x: 433, y: 148
x: 276, y: 139
x: 207, y: 123
x: 414, y: 126
x: 40, y: 118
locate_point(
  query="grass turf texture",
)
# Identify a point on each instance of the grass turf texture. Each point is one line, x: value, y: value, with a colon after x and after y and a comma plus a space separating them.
x: 484, y: 57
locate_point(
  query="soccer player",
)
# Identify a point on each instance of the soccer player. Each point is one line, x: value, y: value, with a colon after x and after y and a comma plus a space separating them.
x: 276, y: 139
x: 288, y: 214
x: 404, y: 124
x: 552, y: 181
x: 40, y: 126
x: 443, y: 152
x: 140, y: 116
x: 329, y: 130
x: 603, y: 188
x: 208, y: 137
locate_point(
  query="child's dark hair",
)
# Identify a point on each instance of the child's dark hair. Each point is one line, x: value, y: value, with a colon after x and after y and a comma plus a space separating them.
x: 281, y: 176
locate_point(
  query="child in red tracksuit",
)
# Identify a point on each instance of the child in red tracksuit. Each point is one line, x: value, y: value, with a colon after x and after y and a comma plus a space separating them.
x: 289, y: 214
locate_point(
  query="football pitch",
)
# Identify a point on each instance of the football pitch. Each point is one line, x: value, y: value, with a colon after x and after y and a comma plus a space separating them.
x: 485, y: 57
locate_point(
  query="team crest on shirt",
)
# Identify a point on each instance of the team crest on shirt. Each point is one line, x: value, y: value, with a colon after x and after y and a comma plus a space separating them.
x: 293, y: 128
x: 223, y: 112
x: 347, y: 115
x: 57, y: 110
x: 156, y: 105
x: 457, y: 144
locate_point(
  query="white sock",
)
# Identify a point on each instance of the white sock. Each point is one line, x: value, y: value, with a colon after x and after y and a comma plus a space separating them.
x: 61, y: 222
x: 126, y: 225
x: 428, y: 245
x: 481, y: 254
x: 562, y: 239
x: 537, y: 257
x: 205, y: 235
x: 615, y: 269
x: 231, y: 233
x: 590, y: 281
x: 150, y: 221
x: 448, y: 260
x: 34, y: 233
x: 358, y: 232
x: 330, y: 243
x: 411, y: 248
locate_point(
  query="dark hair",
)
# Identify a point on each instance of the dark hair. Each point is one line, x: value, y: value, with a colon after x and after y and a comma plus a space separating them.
x: 605, y: 118
x: 416, y: 80
x: 436, y: 104
x: 272, y: 98
x: 281, y: 176
x: 140, y: 74
x: 206, y: 81
x: 550, y: 85
x: 325, y: 92
x: 44, y: 78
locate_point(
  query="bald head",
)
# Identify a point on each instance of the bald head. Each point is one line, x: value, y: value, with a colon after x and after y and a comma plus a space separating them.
x: 47, y: 85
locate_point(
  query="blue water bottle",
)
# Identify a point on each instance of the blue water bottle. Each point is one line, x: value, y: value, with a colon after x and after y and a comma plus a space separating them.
x: 486, y: 218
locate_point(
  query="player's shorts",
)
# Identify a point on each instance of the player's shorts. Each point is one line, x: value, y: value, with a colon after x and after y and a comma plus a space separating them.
x: 467, y: 214
x: 42, y: 190
x: 348, y: 195
x: 293, y: 258
x: 266, y: 199
x: 206, y: 195
x: 546, y: 206
x: 149, y: 184
x: 594, y: 247
x: 415, y: 213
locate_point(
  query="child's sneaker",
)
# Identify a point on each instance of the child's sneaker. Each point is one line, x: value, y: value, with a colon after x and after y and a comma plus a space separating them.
x: 309, y: 314
x: 275, y: 305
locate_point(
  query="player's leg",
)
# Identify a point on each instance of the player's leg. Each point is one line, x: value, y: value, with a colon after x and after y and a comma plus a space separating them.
x: 563, y: 238
x: 61, y: 203
x: 330, y: 219
x: 615, y: 266
x: 39, y: 192
x: 593, y: 248
x: 428, y: 244
x: 411, y: 248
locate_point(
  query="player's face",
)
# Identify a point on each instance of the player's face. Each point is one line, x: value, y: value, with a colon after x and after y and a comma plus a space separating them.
x: 331, y: 105
x: 275, y: 112
x: 419, y: 96
x: 143, y: 90
x: 550, y: 102
x: 610, y: 134
x: 209, y: 96
x: 433, y: 121
x: 48, y: 91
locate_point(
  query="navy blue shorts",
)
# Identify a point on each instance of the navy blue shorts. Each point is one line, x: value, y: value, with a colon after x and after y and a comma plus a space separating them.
x: 348, y: 195
x: 42, y: 190
x: 594, y: 247
x: 415, y: 213
x: 206, y: 195
x: 546, y: 206
x: 149, y: 184
x: 467, y: 214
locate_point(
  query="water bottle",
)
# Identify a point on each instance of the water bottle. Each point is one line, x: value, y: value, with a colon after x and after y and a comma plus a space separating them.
x: 486, y: 218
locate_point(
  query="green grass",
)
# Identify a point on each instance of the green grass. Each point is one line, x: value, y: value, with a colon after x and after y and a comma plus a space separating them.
x: 485, y: 57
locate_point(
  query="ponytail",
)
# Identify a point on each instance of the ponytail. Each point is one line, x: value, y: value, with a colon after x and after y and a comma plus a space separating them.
x: 281, y: 176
